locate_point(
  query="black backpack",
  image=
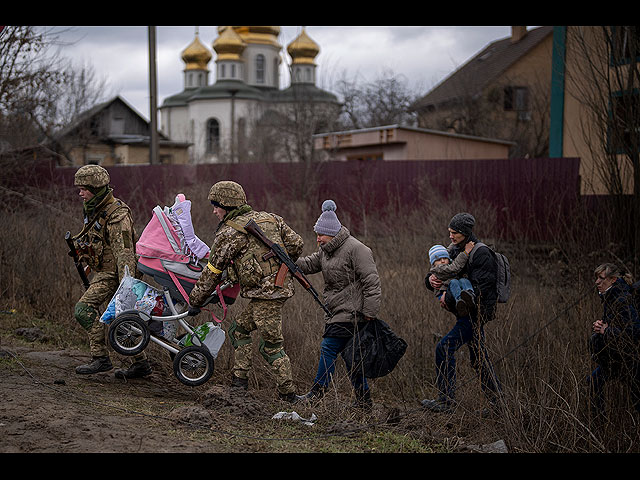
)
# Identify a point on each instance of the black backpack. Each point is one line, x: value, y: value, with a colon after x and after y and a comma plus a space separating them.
x: 503, y: 277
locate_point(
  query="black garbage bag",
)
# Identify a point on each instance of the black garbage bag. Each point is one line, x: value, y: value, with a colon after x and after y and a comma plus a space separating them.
x: 375, y: 349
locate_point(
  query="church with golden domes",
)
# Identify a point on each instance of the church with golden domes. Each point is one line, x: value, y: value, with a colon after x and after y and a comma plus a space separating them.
x: 243, y: 115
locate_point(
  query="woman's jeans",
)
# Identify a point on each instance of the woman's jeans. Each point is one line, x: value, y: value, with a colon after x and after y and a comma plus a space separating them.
x: 329, y: 350
x: 457, y: 285
x: 468, y: 332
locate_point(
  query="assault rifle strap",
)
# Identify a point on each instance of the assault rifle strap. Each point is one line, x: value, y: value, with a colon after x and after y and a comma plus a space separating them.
x: 100, y: 218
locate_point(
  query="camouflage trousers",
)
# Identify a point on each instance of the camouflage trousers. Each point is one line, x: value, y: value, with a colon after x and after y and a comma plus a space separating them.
x: 265, y: 316
x: 101, y: 290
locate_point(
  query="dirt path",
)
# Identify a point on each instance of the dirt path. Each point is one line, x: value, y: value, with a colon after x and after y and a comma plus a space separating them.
x: 45, y: 407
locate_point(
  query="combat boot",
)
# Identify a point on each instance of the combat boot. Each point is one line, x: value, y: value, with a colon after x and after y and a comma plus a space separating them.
x: 316, y: 393
x: 97, y: 364
x: 137, y: 370
x: 290, y: 397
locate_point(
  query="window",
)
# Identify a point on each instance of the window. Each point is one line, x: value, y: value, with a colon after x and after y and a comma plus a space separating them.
x: 92, y: 158
x: 370, y: 157
x: 117, y: 126
x: 624, y: 122
x: 625, y: 44
x: 516, y: 98
x: 213, y: 135
x: 260, y: 68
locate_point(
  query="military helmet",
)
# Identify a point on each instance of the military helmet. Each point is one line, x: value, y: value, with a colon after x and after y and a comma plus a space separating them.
x: 91, y: 176
x: 227, y: 194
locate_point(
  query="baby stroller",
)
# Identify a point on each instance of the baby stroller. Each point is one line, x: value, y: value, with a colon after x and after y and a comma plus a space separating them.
x: 174, y: 257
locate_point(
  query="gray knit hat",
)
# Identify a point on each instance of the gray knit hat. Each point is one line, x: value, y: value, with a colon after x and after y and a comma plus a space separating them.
x: 462, y: 223
x: 328, y: 223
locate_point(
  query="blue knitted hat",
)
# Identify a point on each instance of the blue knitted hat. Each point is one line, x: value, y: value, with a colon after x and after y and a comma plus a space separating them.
x: 328, y: 223
x: 436, y: 252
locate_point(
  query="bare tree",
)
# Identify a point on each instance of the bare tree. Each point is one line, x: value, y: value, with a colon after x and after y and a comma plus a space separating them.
x: 384, y: 101
x: 605, y: 82
x: 27, y: 71
x: 284, y: 131
x: 40, y: 91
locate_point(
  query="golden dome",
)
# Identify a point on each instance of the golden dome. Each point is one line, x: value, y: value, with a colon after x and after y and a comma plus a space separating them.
x: 303, y: 49
x: 257, y: 34
x: 196, y: 55
x: 229, y: 45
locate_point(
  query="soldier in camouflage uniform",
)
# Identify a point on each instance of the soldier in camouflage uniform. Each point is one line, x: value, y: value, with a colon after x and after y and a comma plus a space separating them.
x: 107, y: 244
x: 242, y: 255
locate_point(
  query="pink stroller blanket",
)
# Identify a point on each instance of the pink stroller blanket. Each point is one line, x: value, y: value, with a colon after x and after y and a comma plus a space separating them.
x: 161, y: 238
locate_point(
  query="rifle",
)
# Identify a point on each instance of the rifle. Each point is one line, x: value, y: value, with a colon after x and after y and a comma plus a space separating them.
x: 285, y: 261
x: 82, y: 271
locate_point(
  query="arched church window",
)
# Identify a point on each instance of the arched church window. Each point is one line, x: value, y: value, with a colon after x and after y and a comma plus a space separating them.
x: 260, y: 68
x: 213, y: 135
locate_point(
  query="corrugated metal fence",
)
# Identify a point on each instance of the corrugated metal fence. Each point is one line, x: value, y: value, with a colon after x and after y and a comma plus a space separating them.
x: 527, y: 194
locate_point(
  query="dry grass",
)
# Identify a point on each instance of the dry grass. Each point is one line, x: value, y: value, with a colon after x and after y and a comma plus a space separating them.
x: 537, y: 342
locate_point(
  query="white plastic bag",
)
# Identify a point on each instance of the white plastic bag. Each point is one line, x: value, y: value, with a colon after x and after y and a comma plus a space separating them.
x: 132, y: 294
x: 210, y: 335
x: 294, y: 416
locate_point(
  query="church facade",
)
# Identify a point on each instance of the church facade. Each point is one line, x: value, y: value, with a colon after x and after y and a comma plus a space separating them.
x: 244, y: 115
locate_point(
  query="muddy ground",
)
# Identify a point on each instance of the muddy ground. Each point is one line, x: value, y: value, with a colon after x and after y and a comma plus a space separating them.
x: 46, y: 407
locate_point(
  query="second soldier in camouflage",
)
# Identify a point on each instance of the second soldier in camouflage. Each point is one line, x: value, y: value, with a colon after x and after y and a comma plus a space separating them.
x: 241, y: 255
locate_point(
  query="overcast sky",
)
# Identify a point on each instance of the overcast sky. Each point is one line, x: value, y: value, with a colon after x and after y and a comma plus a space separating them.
x: 425, y: 55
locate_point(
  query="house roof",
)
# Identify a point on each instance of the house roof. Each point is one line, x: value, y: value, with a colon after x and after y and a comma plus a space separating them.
x: 472, y: 77
x: 91, y: 112
x: 417, y: 130
x: 116, y: 138
x: 239, y: 89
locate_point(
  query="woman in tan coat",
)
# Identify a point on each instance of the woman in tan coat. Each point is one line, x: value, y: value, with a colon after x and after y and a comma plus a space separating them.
x: 352, y: 293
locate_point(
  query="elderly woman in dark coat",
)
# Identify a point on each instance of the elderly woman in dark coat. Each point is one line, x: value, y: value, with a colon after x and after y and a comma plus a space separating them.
x: 615, y: 339
x: 352, y: 293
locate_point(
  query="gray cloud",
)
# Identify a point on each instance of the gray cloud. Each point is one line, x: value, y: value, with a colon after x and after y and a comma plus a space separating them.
x: 423, y: 54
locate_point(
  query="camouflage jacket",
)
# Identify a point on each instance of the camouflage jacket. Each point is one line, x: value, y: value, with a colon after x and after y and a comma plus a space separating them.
x: 107, y: 242
x: 242, y: 255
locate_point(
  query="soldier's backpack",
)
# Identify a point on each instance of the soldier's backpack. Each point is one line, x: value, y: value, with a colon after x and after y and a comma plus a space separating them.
x: 503, y: 276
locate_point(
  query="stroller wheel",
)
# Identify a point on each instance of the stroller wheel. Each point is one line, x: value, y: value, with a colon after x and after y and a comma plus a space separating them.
x: 193, y: 366
x: 129, y: 334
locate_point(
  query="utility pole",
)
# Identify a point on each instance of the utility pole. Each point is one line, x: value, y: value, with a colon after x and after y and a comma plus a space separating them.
x: 233, y: 125
x: 153, y: 108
